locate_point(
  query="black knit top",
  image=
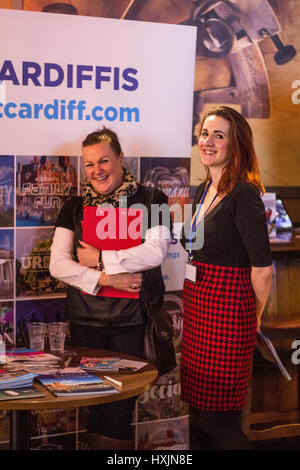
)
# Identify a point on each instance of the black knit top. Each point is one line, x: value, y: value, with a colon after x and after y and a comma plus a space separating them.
x: 235, y: 230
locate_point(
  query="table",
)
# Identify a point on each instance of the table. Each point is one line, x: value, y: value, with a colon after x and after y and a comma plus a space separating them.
x: 137, y: 383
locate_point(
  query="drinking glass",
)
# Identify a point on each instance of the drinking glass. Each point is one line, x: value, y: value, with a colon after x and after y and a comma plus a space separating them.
x: 37, y: 332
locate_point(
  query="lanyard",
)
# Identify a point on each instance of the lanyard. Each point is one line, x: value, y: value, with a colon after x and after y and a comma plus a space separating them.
x: 195, y: 218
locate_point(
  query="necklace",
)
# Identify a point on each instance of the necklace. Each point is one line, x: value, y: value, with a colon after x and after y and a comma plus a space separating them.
x: 196, y: 219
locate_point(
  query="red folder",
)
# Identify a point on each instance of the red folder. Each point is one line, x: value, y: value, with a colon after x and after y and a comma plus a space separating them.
x: 112, y: 228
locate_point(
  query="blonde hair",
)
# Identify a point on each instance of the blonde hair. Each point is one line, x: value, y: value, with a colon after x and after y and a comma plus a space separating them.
x: 103, y: 135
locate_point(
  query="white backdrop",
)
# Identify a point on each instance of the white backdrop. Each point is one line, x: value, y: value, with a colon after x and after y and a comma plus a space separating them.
x: 52, y: 107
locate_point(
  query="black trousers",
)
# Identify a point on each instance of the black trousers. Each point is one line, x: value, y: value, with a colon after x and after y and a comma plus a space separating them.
x: 217, y: 430
x: 112, y: 419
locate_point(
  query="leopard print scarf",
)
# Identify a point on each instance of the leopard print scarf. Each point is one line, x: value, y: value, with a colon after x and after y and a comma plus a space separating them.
x: 128, y: 188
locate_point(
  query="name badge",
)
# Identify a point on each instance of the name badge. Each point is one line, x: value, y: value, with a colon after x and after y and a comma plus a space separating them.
x: 190, y: 272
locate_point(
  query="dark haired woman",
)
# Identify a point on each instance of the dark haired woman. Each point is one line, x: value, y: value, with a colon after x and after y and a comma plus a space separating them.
x: 227, y: 281
x: 116, y: 324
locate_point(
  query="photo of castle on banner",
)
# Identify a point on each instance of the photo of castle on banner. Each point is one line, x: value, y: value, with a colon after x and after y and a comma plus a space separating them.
x: 43, y: 184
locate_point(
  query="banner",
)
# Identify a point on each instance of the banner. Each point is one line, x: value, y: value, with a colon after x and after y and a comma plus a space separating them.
x: 88, y: 72
x: 62, y: 77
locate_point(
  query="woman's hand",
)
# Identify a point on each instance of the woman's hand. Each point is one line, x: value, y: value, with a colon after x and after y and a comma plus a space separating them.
x: 258, y: 324
x: 88, y: 255
x: 130, y: 282
x: 261, y: 279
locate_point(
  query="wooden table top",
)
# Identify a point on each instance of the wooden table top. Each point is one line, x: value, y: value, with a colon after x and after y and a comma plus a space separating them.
x: 134, y: 384
x: 292, y: 245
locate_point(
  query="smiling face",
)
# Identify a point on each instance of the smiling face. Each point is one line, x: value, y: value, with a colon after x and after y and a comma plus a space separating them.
x: 214, y: 142
x: 103, y: 167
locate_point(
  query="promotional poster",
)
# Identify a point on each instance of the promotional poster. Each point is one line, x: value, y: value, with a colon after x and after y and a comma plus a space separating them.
x: 6, y: 191
x: 149, y: 70
x: 44, y: 183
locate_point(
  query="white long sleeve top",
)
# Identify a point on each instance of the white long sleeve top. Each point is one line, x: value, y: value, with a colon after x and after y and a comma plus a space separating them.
x: 148, y: 255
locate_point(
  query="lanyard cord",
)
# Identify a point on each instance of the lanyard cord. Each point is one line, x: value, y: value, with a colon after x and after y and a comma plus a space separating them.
x: 195, y: 218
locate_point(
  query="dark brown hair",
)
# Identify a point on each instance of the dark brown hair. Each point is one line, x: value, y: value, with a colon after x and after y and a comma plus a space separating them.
x: 103, y: 135
x: 243, y: 163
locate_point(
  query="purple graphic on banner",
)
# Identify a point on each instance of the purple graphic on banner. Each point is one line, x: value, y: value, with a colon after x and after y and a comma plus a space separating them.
x: 46, y: 310
x: 43, y: 184
x: 6, y: 264
x: 7, y: 322
x: 32, y: 263
x: 171, y: 175
x: 6, y: 190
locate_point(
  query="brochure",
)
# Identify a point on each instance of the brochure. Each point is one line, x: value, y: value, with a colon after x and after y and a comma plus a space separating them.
x: 267, y: 350
x: 129, y: 365
x: 110, y: 364
x: 15, y: 379
x: 77, y: 383
x: 27, y: 355
x: 269, y: 200
x: 99, y: 363
x: 20, y: 393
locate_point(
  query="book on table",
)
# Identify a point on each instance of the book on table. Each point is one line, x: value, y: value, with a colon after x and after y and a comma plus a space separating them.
x: 112, y: 228
x: 127, y: 372
x: 75, y: 383
x: 30, y: 360
x: 23, y: 355
x: 268, y: 352
x: 116, y: 382
x: 15, y: 379
x: 100, y: 364
x: 110, y: 364
x: 20, y: 393
x: 122, y: 378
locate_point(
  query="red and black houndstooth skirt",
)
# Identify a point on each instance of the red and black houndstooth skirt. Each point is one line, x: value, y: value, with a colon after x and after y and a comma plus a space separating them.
x: 219, y: 334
